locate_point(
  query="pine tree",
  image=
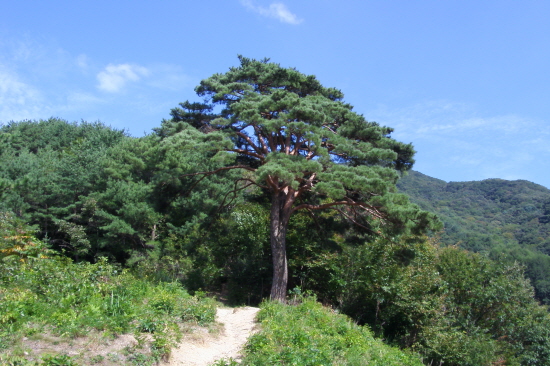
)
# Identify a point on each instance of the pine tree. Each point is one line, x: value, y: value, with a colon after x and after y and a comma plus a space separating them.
x: 300, y: 143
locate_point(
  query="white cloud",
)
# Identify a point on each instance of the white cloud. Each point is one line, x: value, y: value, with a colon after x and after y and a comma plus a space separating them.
x: 39, y: 79
x: 18, y: 100
x: 24, y: 50
x: 275, y: 10
x: 114, y: 77
x: 14, y: 91
x: 80, y: 99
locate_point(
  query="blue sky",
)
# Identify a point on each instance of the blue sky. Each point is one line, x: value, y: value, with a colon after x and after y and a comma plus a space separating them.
x: 467, y: 82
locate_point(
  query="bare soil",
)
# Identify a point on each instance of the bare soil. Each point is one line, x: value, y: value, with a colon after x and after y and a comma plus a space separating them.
x: 206, y: 348
x: 199, y: 346
x: 94, y: 348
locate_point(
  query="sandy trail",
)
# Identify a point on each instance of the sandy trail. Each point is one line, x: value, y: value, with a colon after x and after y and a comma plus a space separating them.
x: 204, y: 350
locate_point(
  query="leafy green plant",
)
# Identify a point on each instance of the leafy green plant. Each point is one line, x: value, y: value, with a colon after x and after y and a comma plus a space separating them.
x: 54, y: 295
x: 139, y: 359
x: 58, y: 360
x: 225, y: 362
x: 203, y: 311
x: 309, y: 334
x: 164, y: 339
x: 12, y: 360
x: 97, y: 359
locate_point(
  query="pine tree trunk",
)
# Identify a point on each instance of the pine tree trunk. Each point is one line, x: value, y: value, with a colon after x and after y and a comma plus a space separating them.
x: 279, y: 222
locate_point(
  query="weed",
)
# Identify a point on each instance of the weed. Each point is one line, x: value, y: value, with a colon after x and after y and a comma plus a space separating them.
x: 225, y: 362
x: 96, y: 359
x: 139, y: 359
x: 164, y: 340
x: 58, y: 360
x: 113, y: 357
x: 12, y: 360
x: 70, y: 300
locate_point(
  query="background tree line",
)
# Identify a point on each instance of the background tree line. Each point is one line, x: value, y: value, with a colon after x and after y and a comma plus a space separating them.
x: 506, y: 220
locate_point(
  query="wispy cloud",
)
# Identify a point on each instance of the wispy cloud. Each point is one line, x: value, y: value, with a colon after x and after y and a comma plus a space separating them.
x: 40, y: 79
x: 14, y: 91
x: 442, y: 118
x: 455, y: 142
x: 82, y: 62
x: 18, y: 100
x: 169, y: 77
x: 114, y: 77
x: 275, y: 10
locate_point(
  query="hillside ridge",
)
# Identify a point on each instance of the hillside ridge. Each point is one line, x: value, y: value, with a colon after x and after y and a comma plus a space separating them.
x: 499, y: 217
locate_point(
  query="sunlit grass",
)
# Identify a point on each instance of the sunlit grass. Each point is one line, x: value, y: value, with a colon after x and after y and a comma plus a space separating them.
x: 309, y: 334
x: 68, y: 300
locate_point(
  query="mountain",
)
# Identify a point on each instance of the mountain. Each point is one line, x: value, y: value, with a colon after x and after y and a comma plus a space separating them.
x: 505, y: 219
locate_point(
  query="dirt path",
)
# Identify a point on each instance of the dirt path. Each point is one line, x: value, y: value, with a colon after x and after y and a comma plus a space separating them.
x: 205, y: 349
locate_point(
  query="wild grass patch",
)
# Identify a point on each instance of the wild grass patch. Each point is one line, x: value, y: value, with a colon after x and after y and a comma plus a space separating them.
x: 55, y: 302
x: 309, y: 334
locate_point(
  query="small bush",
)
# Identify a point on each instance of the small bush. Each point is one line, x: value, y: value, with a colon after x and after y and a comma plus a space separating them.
x: 58, y: 360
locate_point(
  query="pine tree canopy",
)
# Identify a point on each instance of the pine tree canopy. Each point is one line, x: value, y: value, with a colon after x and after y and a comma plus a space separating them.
x: 304, y: 145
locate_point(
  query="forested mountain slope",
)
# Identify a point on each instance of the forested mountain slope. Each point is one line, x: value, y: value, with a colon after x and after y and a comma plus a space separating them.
x: 495, y: 216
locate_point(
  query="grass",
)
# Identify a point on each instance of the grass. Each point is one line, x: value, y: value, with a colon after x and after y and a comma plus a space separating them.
x: 56, y: 305
x: 56, y: 312
x: 310, y: 335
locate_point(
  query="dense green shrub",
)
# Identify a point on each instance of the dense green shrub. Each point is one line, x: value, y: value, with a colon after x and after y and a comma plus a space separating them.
x: 489, y: 314
x: 309, y: 334
x: 449, y: 305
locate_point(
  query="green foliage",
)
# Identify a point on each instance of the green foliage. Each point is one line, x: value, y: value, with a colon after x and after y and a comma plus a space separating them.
x: 46, y: 167
x: 17, y: 240
x: 449, y: 305
x: 226, y: 362
x: 489, y: 314
x: 154, y: 206
x: 392, y: 286
x: 91, y: 191
x: 70, y: 299
x: 302, y: 146
x: 506, y: 219
x: 242, y: 252
x: 484, y: 214
x: 290, y: 131
x: 58, y: 360
x: 308, y: 334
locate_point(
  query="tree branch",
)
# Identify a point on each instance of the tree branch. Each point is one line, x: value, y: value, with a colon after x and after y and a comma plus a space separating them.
x: 206, y: 174
x: 271, y: 182
x: 287, y: 143
x: 234, y: 191
x: 252, y: 144
x: 353, y: 220
x: 297, y: 145
x: 308, y: 184
x: 272, y: 143
x: 261, y: 139
x: 249, y: 153
x: 373, y: 211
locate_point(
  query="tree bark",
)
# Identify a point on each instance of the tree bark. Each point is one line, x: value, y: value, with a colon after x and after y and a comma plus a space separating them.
x: 280, y: 215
